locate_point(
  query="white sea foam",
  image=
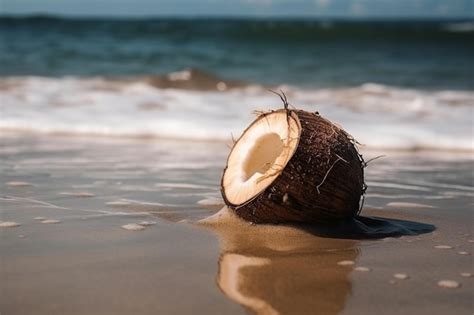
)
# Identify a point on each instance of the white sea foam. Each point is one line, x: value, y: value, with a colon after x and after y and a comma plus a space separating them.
x: 378, y: 116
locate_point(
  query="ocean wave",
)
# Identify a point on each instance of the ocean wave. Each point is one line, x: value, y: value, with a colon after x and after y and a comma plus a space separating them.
x: 461, y: 27
x: 425, y: 54
x: 195, y: 105
x: 192, y: 79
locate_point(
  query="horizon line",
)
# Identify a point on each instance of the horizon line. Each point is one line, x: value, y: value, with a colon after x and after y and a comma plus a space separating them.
x: 236, y: 16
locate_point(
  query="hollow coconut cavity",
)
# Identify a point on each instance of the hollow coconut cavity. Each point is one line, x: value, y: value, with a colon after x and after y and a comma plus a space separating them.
x: 292, y: 165
x: 258, y: 156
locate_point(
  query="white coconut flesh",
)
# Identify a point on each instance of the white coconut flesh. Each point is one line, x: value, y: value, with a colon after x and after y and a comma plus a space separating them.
x: 259, y: 156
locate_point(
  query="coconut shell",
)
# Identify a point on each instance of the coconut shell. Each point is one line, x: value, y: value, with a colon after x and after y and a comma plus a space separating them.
x: 322, y: 182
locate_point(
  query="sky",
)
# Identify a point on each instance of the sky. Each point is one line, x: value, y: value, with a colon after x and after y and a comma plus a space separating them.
x: 307, y: 8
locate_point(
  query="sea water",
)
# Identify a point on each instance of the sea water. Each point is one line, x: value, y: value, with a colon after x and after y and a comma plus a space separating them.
x: 392, y: 85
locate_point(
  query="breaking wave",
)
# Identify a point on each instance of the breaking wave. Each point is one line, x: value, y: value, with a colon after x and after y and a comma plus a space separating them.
x: 191, y: 104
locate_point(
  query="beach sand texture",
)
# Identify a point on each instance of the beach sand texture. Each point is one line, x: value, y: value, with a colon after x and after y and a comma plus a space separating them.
x: 166, y: 262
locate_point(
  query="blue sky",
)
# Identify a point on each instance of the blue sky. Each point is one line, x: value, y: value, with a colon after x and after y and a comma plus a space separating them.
x: 315, y: 8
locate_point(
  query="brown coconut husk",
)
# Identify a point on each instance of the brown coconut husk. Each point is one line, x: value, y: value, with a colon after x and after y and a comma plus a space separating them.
x: 322, y: 182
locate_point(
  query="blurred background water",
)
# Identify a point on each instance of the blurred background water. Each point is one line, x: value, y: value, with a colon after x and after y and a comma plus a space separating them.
x: 304, y: 52
x: 393, y: 83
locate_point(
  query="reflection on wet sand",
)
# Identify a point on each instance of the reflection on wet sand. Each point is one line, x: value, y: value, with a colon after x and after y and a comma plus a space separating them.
x: 278, y: 269
x: 281, y: 270
x: 294, y: 269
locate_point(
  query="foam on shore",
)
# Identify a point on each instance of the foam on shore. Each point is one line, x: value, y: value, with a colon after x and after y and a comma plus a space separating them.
x: 378, y: 116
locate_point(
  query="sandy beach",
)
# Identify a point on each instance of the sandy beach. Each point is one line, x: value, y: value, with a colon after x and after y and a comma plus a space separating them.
x: 76, y: 248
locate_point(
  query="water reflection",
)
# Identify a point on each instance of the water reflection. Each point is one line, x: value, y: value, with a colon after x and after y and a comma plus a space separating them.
x: 283, y: 270
x: 294, y: 270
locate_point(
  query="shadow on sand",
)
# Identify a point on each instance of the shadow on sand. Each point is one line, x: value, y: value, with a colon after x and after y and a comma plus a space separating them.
x: 365, y: 227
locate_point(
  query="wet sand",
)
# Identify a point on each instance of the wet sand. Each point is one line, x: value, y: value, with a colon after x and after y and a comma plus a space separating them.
x: 69, y: 252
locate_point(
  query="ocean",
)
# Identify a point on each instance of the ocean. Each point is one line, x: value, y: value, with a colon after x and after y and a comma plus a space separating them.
x: 391, y: 84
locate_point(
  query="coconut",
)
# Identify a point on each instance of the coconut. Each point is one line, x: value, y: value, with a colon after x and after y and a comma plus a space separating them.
x: 293, y: 166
